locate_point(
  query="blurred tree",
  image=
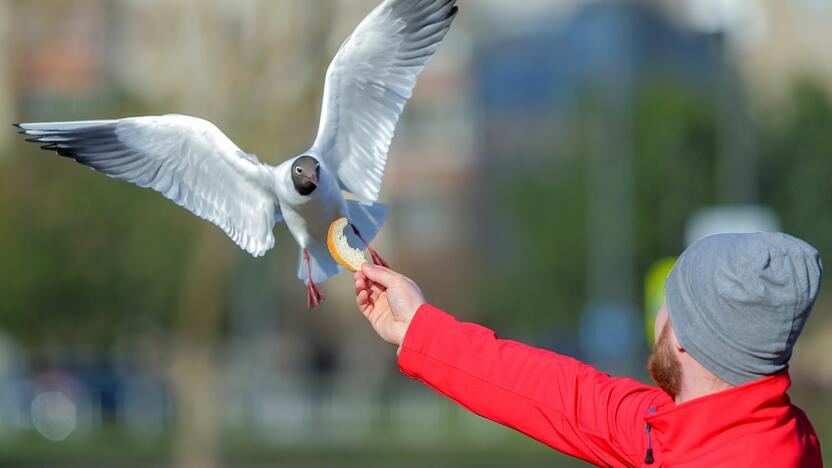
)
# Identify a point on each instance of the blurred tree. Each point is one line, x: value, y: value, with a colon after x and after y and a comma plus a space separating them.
x: 543, y: 283
x: 195, y: 349
x: 57, y: 219
x: 676, y: 150
x: 795, y: 169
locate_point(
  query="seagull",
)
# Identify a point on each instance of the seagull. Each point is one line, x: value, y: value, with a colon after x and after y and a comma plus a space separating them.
x: 191, y: 162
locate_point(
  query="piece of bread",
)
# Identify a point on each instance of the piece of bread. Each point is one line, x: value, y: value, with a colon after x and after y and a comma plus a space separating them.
x: 349, y: 257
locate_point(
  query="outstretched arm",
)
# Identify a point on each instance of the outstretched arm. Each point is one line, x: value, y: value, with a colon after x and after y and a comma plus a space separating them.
x: 555, y: 399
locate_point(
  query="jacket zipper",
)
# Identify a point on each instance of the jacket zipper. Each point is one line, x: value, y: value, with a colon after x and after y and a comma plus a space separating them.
x: 648, y: 459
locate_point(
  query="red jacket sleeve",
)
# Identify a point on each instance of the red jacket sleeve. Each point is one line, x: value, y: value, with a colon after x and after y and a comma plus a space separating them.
x: 555, y: 399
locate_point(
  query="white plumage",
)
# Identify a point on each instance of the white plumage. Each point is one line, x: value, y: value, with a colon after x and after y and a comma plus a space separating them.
x: 186, y: 159
x: 368, y: 84
x: 191, y: 162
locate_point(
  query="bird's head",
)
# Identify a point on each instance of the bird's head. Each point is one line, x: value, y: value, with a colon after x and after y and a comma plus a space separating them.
x: 306, y: 173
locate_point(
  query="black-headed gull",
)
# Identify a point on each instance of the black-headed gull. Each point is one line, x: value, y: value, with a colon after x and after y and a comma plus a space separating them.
x: 190, y: 161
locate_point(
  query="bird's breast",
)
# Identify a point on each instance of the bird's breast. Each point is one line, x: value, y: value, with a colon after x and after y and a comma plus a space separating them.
x: 308, y: 219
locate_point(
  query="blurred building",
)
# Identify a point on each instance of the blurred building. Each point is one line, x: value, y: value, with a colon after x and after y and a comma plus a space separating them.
x: 774, y: 42
x: 795, y: 46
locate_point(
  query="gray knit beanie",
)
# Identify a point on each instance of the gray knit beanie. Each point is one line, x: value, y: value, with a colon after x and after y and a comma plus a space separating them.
x: 738, y: 302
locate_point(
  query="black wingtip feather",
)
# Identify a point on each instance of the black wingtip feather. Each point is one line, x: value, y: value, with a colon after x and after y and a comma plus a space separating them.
x: 16, y: 125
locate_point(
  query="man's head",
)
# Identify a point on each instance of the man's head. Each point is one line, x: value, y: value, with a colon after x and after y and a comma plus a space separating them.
x: 674, y: 369
x: 736, y: 304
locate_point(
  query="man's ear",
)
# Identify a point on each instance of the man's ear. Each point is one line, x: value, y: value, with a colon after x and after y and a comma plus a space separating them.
x: 678, y: 346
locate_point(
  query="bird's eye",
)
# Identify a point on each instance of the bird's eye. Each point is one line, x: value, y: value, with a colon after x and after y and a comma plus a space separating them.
x: 298, y: 170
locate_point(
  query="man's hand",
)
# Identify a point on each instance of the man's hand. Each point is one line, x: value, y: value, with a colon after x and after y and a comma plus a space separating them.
x: 388, y: 300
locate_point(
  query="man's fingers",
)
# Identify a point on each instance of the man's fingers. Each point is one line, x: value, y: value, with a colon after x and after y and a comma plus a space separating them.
x: 376, y: 288
x: 363, y: 300
x: 379, y: 274
x: 363, y: 283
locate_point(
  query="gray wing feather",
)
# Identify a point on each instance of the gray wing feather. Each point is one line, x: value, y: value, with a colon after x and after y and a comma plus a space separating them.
x: 186, y: 159
x: 368, y: 83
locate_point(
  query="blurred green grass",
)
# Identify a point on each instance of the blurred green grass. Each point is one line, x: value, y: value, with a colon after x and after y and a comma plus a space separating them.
x: 113, y: 448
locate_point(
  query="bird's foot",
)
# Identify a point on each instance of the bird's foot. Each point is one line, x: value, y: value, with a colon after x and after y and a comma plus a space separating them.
x: 377, y: 260
x: 314, y: 296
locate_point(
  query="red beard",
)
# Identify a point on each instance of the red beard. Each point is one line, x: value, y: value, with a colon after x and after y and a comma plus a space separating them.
x: 664, y: 366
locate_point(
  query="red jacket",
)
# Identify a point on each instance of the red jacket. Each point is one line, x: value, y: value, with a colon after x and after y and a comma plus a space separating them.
x: 580, y: 411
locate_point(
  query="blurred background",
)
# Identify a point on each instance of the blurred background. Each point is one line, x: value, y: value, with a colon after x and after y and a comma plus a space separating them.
x: 554, y: 159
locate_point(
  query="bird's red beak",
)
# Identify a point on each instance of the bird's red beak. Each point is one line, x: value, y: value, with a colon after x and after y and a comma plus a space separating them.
x: 314, y: 179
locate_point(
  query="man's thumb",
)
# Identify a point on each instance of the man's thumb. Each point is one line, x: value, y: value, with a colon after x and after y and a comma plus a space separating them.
x: 381, y: 275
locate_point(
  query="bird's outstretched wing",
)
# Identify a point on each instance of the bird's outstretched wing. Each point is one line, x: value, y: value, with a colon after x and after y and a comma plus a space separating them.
x: 186, y: 159
x: 368, y: 83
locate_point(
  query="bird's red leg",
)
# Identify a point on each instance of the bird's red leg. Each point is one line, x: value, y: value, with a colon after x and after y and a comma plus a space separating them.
x: 375, y: 256
x: 314, y: 296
